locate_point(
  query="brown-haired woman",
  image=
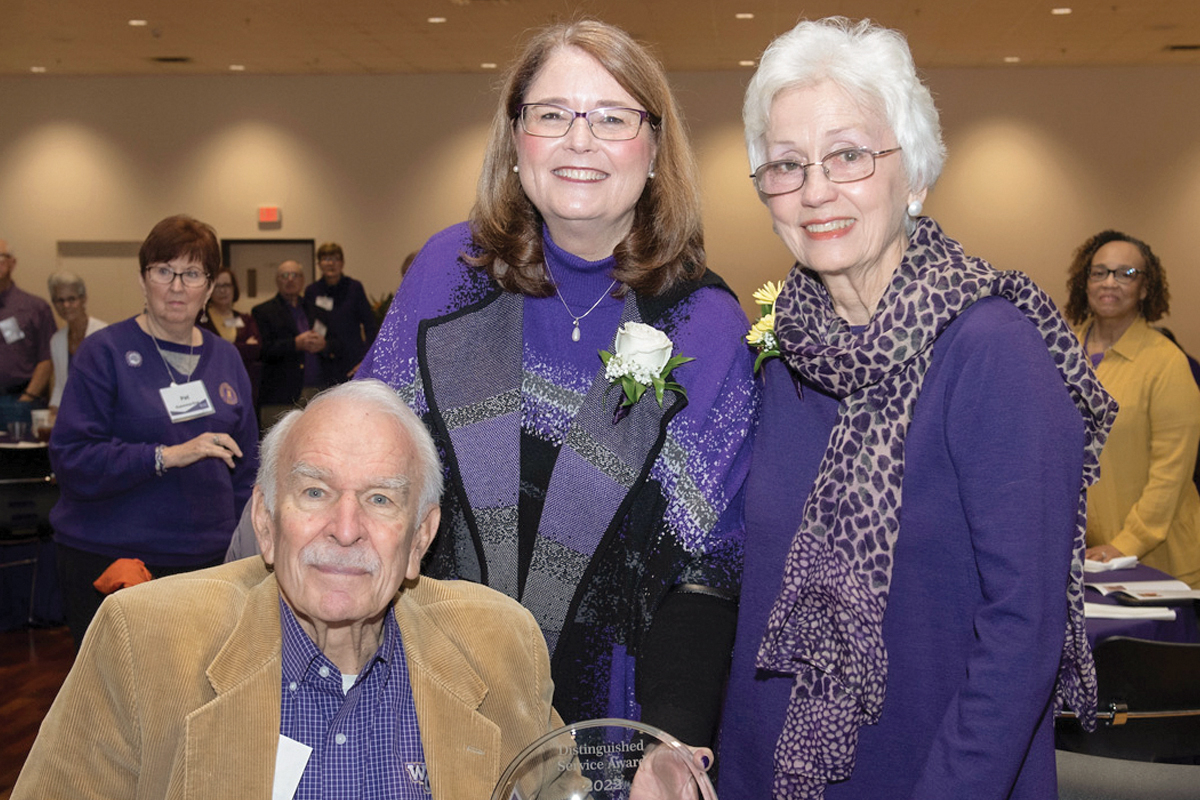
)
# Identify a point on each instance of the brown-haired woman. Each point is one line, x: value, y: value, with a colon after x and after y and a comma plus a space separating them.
x: 156, y: 441
x: 1145, y: 503
x: 239, y: 329
x: 621, y: 532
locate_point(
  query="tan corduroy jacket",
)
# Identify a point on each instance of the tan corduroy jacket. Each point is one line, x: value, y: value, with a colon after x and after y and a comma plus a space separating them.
x: 176, y: 692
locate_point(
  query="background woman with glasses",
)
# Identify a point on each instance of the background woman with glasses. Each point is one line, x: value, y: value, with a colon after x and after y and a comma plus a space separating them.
x: 240, y: 330
x: 156, y: 442
x: 1145, y: 503
x: 620, y: 532
x: 68, y: 295
x: 914, y: 520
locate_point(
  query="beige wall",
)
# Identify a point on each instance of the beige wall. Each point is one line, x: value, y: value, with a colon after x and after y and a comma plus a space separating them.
x: 1039, y: 160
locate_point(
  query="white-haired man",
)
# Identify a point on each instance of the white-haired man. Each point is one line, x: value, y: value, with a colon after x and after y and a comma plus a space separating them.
x: 325, y: 668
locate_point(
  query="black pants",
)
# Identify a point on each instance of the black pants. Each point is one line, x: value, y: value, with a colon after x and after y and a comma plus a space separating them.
x: 78, y: 569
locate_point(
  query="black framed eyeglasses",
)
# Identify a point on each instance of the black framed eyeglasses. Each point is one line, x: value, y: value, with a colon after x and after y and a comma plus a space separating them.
x: 1122, y: 274
x: 841, y: 166
x: 610, y: 124
x: 192, y: 277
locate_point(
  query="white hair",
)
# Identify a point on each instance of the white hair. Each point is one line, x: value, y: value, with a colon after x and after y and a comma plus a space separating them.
x: 870, y: 63
x: 66, y: 280
x: 369, y: 392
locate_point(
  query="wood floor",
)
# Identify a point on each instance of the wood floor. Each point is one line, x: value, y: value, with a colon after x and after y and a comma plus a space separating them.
x: 33, y: 664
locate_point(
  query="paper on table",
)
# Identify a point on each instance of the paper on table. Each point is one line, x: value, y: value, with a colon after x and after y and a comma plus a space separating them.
x: 1121, y: 562
x: 1102, y: 611
x: 1148, y: 592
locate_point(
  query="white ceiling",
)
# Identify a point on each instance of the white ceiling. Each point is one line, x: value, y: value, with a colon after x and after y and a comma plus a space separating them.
x: 347, y: 37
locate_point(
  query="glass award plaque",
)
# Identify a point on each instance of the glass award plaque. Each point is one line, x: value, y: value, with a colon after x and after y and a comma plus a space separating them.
x: 605, y: 759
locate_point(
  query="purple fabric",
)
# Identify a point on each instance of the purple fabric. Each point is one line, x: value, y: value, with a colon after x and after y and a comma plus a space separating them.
x: 36, y: 321
x: 102, y: 449
x: 366, y: 743
x: 826, y: 624
x: 661, y: 489
x: 977, y: 608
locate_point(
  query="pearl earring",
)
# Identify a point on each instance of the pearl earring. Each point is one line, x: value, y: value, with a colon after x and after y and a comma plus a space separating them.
x: 516, y: 168
x: 914, y: 208
x: 651, y: 175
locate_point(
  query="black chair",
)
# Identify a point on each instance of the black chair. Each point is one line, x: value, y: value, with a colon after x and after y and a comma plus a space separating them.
x: 27, y: 493
x: 1149, y: 704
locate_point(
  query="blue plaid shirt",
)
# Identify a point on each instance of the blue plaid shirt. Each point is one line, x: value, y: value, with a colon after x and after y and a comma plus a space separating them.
x: 365, y: 743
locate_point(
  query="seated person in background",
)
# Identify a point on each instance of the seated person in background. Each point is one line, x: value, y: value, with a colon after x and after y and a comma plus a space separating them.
x: 68, y: 295
x: 327, y: 663
x: 351, y: 319
x: 1145, y: 503
x: 296, y: 341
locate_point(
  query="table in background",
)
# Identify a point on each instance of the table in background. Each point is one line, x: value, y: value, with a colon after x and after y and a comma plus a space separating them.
x: 1181, y: 629
x: 27, y: 493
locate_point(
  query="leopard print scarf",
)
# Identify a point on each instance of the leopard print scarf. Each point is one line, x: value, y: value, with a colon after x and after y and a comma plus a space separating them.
x: 829, y: 613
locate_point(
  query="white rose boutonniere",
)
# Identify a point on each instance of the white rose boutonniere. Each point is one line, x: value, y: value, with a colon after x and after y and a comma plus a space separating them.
x: 643, y: 360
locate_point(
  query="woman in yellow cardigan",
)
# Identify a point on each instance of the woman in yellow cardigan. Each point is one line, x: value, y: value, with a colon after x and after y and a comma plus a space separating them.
x: 1145, y: 503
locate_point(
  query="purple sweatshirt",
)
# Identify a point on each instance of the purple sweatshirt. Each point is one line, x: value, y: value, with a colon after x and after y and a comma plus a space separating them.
x: 102, y: 449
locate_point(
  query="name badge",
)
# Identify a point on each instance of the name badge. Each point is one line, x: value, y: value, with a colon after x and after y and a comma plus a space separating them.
x: 291, y: 757
x: 11, y: 329
x: 325, y: 302
x: 187, y: 401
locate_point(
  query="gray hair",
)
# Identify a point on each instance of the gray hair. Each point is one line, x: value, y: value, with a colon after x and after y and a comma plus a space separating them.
x: 873, y: 65
x: 66, y: 280
x: 368, y: 392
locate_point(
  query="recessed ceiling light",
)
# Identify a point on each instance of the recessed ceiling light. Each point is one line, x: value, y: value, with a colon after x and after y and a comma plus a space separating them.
x: 745, y: 63
x: 38, y: 70
x: 1060, y: 12
x: 436, y: 20
x: 138, y: 23
x: 237, y: 67
x: 1012, y: 59
x: 743, y: 15
x: 488, y: 65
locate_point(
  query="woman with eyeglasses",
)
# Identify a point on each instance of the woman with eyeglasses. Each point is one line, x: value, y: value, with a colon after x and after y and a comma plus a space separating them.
x: 912, y: 599
x: 618, y: 526
x: 1145, y: 503
x: 68, y: 295
x: 156, y: 442
x: 235, y: 327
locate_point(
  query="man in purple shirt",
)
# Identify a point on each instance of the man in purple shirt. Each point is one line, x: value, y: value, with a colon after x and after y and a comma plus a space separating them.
x: 327, y: 667
x: 26, y: 325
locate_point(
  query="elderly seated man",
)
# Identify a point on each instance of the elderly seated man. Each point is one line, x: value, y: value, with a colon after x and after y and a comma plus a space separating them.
x: 327, y: 667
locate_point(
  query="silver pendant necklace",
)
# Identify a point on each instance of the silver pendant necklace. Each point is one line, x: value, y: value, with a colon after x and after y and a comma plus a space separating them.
x: 192, y: 362
x: 575, y: 333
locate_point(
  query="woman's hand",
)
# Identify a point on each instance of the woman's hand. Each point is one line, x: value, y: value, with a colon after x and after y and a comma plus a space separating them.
x: 1104, y: 552
x: 663, y: 775
x: 206, y: 445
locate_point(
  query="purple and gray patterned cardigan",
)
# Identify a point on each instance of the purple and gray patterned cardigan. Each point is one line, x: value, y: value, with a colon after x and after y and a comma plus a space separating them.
x: 631, y: 508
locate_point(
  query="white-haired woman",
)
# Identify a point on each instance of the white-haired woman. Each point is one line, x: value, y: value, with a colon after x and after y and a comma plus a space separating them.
x: 68, y: 295
x: 912, y: 595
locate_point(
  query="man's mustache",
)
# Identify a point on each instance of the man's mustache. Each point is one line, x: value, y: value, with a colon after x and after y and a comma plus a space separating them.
x: 325, y: 554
